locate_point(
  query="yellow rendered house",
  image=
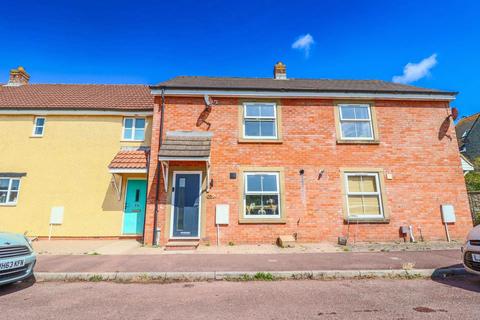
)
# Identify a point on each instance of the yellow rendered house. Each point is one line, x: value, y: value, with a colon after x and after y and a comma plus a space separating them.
x: 73, y: 158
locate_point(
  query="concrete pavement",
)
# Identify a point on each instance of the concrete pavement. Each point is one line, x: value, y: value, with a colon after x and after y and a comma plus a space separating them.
x: 452, y: 298
x: 250, y: 262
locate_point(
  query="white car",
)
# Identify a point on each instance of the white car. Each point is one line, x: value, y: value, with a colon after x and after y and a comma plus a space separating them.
x: 17, y: 258
x: 471, y: 251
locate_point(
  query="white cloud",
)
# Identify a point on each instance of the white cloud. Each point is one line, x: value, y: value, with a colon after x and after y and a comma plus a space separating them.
x: 304, y: 43
x: 415, y: 71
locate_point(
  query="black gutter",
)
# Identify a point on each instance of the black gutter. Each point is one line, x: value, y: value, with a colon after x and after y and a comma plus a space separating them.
x: 157, y: 189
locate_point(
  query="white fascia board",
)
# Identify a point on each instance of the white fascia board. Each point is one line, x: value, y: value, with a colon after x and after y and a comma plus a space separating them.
x: 44, y: 112
x: 127, y: 170
x: 305, y: 94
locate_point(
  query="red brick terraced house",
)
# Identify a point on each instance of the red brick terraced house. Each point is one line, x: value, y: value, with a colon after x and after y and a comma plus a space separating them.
x: 312, y: 159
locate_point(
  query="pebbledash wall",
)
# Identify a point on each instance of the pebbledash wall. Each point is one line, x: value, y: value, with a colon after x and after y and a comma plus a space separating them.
x: 420, y: 158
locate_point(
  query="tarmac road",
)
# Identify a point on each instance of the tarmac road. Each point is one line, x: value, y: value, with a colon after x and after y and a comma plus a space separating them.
x: 451, y: 298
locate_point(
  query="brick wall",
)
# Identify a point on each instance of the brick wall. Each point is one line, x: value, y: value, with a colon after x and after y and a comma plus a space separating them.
x: 424, y: 163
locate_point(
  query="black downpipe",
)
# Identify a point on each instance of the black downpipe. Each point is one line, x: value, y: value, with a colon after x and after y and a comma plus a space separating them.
x: 146, y: 196
x: 157, y: 189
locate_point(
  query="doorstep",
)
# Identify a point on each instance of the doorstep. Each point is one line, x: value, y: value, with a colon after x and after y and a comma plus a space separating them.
x: 179, y: 244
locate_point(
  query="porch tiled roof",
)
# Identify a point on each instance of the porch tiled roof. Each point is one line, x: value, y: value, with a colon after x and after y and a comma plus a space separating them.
x: 183, y: 144
x: 129, y: 159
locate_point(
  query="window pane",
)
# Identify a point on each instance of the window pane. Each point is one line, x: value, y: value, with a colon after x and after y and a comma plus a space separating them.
x: 267, y: 111
x: 369, y: 184
x: 363, y: 129
x: 13, y: 196
x: 4, y: 184
x: 258, y: 205
x: 140, y: 123
x: 269, y: 182
x: 3, y: 196
x: 15, y: 184
x: 252, y: 128
x: 371, y: 205
x: 254, y: 183
x: 38, y: 131
x: 354, y: 183
x: 267, y: 128
x: 127, y: 134
x: 252, y: 110
x: 348, y: 130
x: 128, y: 123
x: 40, y: 121
x: 347, y: 112
x: 139, y: 134
x: 355, y: 205
x: 361, y: 113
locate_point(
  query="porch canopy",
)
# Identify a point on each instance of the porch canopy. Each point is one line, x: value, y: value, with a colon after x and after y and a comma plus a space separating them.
x: 127, y: 161
x: 185, y: 146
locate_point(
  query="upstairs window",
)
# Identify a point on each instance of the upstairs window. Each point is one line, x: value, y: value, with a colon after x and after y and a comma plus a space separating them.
x: 134, y: 129
x: 9, y: 188
x: 262, y: 195
x: 356, y: 122
x: 38, y: 126
x: 260, y: 121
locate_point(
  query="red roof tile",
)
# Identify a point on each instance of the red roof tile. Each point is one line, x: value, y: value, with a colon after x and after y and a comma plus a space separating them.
x: 76, y: 97
x: 131, y: 159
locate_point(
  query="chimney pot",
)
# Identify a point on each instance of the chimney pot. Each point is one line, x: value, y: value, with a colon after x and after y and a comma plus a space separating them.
x: 18, y: 77
x: 280, y: 71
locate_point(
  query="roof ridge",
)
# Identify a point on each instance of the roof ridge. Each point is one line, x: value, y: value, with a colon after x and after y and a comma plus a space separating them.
x: 468, y: 117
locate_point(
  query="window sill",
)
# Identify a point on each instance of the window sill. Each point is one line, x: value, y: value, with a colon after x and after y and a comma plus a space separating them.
x: 132, y: 140
x: 262, y: 221
x: 262, y: 141
x: 36, y: 137
x: 358, y: 142
x: 8, y: 204
x: 366, y: 220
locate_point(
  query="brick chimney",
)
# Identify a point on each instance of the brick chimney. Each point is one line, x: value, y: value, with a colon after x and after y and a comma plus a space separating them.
x: 280, y: 71
x: 18, y: 77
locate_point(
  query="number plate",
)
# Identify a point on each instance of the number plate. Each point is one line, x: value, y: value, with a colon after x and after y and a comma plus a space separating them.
x: 476, y: 257
x: 11, y: 264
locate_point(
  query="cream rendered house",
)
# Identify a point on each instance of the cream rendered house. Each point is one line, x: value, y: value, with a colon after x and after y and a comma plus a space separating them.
x: 73, y: 158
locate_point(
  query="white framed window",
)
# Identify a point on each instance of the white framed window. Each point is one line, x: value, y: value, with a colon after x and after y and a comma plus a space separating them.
x: 364, y: 198
x: 9, y: 188
x: 260, y: 120
x: 356, y: 122
x: 261, y: 195
x: 134, y: 129
x: 38, y: 126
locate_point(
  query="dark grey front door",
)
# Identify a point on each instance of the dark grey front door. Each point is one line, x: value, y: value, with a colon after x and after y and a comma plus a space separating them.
x: 186, y: 202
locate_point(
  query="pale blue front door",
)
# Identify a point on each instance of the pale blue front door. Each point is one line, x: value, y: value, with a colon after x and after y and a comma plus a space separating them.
x: 134, y: 212
x: 186, y: 205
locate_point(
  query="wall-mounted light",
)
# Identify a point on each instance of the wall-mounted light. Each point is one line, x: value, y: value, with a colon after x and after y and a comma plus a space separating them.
x: 320, y: 174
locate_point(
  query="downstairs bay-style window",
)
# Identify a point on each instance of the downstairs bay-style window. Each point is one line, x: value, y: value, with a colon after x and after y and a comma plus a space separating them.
x: 261, y: 199
x: 9, y: 188
x: 364, y: 199
x: 356, y: 123
x: 260, y: 121
x: 134, y: 129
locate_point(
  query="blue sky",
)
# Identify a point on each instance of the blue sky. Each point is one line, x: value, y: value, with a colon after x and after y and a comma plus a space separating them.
x: 151, y: 41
